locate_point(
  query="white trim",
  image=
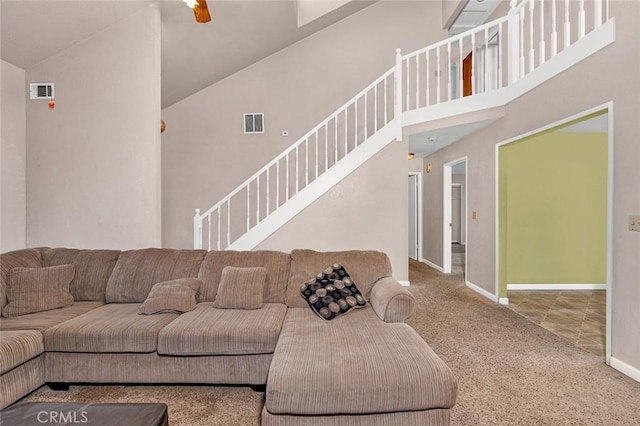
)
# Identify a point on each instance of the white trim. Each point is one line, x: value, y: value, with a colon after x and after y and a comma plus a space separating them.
x: 503, y: 300
x: 433, y: 265
x: 625, y: 368
x: 404, y: 283
x: 316, y: 189
x: 419, y: 218
x: 556, y: 286
x: 609, y: 107
x: 482, y: 291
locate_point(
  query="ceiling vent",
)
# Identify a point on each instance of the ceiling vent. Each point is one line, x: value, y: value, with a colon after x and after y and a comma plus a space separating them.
x: 41, y: 91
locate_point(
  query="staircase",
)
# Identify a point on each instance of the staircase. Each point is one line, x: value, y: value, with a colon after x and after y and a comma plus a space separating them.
x: 485, y: 67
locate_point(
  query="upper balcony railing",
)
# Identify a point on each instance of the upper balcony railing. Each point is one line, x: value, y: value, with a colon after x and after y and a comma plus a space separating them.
x: 484, y: 59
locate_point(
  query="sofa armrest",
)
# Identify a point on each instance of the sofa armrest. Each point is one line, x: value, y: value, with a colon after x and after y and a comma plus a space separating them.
x: 391, y: 301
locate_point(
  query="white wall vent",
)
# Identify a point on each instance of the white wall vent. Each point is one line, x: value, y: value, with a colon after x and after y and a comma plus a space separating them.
x: 41, y: 91
x: 254, y: 122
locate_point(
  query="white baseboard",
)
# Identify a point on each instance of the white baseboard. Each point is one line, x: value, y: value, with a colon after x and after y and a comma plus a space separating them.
x: 482, y: 291
x: 625, y: 368
x: 404, y: 283
x: 433, y: 265
x: 556, y: 286
x: 503, y: 300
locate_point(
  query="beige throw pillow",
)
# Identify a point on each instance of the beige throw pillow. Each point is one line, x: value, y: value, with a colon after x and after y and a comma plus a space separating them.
x: 32, y: 290
x: 241, y: 288
x: 171, y: 296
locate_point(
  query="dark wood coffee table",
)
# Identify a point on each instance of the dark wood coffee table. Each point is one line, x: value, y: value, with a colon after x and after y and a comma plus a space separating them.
x: 72, y: 413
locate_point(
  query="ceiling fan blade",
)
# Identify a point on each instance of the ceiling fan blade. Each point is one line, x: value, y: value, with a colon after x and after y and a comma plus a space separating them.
x: 202, y: 12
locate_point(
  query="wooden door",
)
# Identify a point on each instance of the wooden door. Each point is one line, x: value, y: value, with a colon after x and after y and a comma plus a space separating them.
x: 467, y: 77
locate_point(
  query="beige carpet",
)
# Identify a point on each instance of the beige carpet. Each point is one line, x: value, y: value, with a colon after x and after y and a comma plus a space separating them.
x: 510, y: 371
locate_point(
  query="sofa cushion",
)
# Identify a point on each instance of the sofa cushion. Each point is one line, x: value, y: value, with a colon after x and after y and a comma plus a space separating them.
x: 276, y: 263
x: 27, y: 258
x: 346, y: 367
x: 93, y: 269
x: 42, y: 320
x: 136, y: 271
x: 332, y: 293
x: 210, y: 331
x: 38, y: 289
x: 110, y: 328
x: 177, y: 296
x: 18, y: 347
x: 365, y: 268
x: 241, y: 288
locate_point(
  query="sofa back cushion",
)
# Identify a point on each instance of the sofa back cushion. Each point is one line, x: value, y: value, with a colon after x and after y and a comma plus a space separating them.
x: 136, y: 271
x: 276, y: 263
x: 27, y: 258
x: 364, y: 267
x: 93, y: 269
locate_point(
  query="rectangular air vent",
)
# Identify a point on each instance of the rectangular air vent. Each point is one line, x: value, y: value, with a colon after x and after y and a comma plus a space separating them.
x: 254, y: 122
x: 41, y: 90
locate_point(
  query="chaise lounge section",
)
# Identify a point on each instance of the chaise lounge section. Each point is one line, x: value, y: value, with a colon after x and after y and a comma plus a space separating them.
x: 364, y: 367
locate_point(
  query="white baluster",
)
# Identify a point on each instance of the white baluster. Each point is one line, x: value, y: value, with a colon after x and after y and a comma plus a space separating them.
x: 366, y: 113
x: 461, y: 83
x: 473, y: 63
x: 398, y: 95
x: 346, y: 140
x: 316, y: 158
x: 597, y: 15
x: 286, y: 178
x: 581, y: 21
x: 486, y: 60
x: 278, y: 184
x: 513, y: 52
x: 567, y: 25
x: 355, y: 125
x: 209, y: 233
x: 297, y: 169
x: 197, y: 230
x: 449, y: 71
x: 326, y: 147
x: 554, y: 29
x: 439, y: 74
x: 407, y: 95
x: 531, y: 50
x: 543, y: 49
x: 500, y: 66
x: 606, y: 16
x: 335, y: 139
x: 229, y: 222
x: 385, y: 101
x: 306, y: 162
x: 417, y: 81
x: 522, y: 69
x: 427, y: 88
x: 375, y: 108
x: 219, y: 228
x: 268, y: 184
x: 248, y: 206
x: 258, y: 200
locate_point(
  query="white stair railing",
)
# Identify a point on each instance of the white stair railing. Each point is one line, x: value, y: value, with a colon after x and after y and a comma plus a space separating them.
x: 483, y: 59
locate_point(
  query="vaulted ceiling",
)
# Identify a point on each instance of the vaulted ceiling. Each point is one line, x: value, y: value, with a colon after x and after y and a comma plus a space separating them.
x: 241, y: 33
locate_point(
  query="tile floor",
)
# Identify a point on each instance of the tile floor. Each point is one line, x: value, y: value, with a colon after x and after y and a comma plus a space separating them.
x: 576, y: 315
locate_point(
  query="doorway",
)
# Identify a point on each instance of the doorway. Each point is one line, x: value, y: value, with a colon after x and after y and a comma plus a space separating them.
x: 415, y: 213
x: 455, y: 217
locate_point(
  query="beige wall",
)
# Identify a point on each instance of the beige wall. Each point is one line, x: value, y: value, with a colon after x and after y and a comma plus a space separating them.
x: 206, y: 154
x: 365, y: 211
x: 13, y: 153
x: 93, y: 163
x: 615, y: 70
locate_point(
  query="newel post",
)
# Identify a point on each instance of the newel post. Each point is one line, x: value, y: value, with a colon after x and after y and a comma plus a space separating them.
x: 398, y: 95
x: 514, y: 43
x: 197, y: 230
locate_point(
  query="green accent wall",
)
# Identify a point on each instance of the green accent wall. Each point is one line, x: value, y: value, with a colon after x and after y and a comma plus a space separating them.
x: 553, y: 209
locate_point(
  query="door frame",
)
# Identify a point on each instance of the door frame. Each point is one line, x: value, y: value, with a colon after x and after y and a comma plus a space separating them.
x: 419, y: 214
x: 446, y: 214
x: 609, y: 107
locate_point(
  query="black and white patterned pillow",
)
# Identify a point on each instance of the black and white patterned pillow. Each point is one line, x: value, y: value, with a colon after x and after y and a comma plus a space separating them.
x: 332, y: 293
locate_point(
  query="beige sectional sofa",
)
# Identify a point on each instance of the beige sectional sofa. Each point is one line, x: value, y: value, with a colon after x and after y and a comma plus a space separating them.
x: 363, y: 368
